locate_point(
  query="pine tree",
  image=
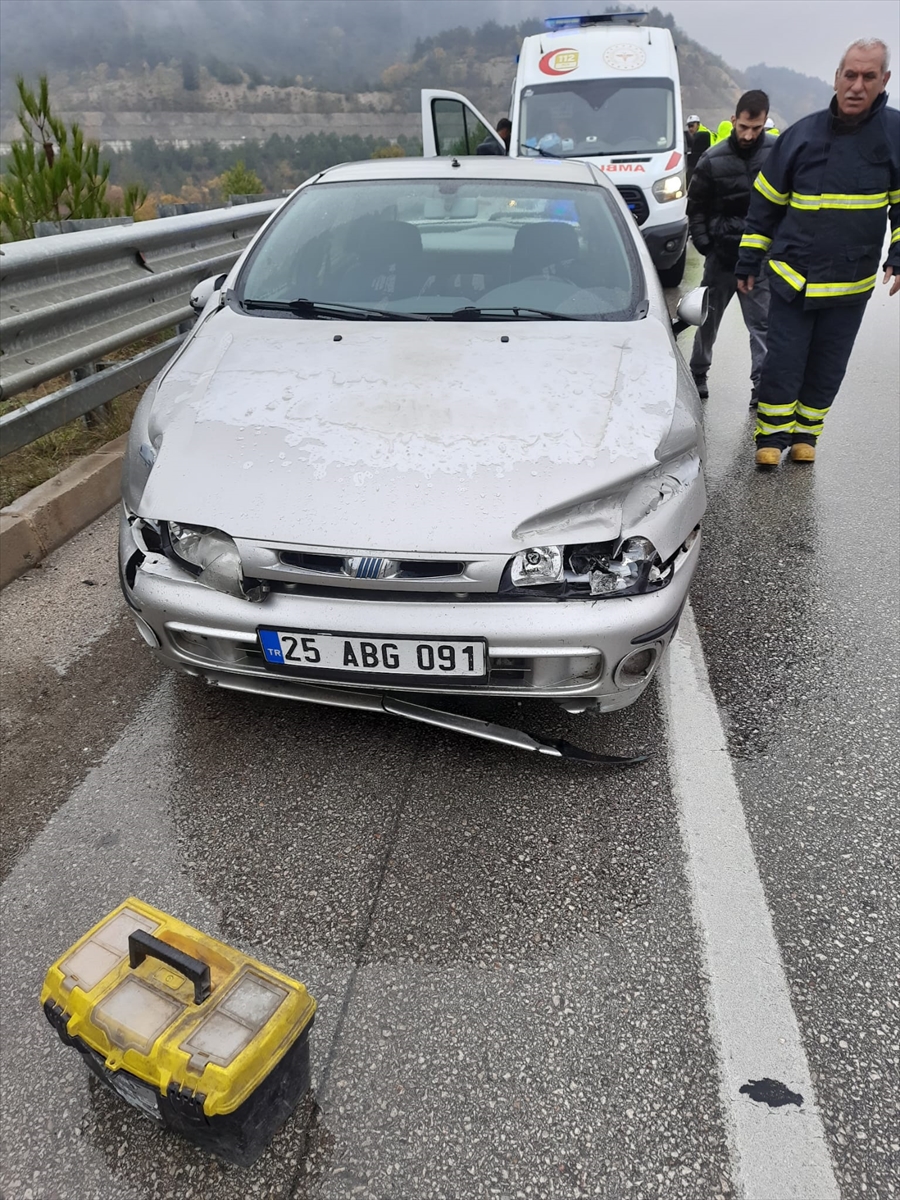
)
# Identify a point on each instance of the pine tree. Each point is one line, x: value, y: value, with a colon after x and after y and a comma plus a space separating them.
x: 240, y: 181
x: 53, y: 173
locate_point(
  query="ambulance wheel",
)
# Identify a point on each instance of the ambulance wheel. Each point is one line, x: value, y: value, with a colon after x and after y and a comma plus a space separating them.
x: 671, y: 276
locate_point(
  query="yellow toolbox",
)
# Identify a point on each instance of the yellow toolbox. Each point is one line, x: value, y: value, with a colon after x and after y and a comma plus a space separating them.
x: 197, y: 1035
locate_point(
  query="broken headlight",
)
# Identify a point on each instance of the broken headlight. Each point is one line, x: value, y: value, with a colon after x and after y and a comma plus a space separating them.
x: 589, y: 571
x: 635, y: 568
x: 213, y: 557
x: 539, y: 564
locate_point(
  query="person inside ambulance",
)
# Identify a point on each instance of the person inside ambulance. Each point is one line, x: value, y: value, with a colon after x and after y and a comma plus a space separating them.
x: 560, y: 138
x: 567, y: 136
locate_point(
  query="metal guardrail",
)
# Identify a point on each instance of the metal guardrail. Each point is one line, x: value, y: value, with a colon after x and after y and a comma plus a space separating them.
x: 68, y: 300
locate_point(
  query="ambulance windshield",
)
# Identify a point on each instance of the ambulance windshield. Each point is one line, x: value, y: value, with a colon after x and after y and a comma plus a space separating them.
x: 572, y: 119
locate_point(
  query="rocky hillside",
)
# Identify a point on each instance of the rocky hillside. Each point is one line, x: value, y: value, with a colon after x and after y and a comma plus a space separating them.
x: 185, y: 101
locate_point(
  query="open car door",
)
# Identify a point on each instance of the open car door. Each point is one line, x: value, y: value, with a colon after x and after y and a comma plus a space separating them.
x: 452, y: 125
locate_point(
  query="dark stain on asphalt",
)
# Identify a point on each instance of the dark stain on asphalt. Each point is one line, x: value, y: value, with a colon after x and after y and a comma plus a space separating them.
x: 771, y: 1092
x: 59, y: 726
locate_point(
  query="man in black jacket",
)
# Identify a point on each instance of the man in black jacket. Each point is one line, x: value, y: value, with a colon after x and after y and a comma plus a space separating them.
x: 697, y: 140
x: 718, y: 200
x: 489, y: 145
x: 818, y: 218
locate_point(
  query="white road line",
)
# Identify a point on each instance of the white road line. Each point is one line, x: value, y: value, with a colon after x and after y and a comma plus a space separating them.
x: 777, y: 1153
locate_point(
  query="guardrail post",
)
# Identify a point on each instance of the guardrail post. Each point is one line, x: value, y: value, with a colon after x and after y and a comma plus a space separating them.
x: 99, y: 414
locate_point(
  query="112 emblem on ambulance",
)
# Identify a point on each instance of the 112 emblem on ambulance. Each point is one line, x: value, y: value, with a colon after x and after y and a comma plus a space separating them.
x: 559, y: 62
x: 625, y: 56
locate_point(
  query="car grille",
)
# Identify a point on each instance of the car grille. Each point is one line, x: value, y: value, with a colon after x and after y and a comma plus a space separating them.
x: 504, y: 672
x: 365, y: 574
x: 637, y: 202
x: 334, y: 564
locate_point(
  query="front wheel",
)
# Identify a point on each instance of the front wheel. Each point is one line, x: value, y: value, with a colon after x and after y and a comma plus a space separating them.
x: 670, y: 277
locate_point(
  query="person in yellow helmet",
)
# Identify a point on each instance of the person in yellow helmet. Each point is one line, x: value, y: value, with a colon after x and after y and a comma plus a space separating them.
x: 723, y: 133
x: 698, y: 139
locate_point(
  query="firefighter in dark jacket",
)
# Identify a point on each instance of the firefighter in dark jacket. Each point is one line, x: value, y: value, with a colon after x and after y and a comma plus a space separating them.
x: 718, y: 200
x: 818, y: 217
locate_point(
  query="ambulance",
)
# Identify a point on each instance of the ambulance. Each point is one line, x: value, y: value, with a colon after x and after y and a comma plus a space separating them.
x: 601, y: 88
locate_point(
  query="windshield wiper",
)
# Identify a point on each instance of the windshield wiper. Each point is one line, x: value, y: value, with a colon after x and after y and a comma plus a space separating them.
x: 543, y: 153
x: 321, y: 308
x: 471, y: 313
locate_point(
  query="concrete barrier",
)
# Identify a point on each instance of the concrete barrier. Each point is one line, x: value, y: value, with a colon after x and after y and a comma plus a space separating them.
x: 47, y: 516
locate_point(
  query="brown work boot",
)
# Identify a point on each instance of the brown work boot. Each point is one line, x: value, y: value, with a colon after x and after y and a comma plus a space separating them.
x: 768, y: 456
x: 803, y: 452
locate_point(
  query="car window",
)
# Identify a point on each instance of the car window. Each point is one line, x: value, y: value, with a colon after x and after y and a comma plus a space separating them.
x: 434, y: 246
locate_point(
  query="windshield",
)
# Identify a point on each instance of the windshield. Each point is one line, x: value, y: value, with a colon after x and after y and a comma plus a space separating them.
x: 438, y: 246
x: 598, y: 116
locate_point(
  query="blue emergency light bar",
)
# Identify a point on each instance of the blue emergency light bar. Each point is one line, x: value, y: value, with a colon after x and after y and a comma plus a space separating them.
x: 616, y: 18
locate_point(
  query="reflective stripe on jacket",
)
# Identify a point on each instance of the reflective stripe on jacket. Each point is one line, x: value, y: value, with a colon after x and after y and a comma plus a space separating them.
x: 819, y: 207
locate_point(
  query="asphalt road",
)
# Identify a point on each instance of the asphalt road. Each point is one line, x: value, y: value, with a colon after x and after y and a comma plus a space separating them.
x: 518, y: 990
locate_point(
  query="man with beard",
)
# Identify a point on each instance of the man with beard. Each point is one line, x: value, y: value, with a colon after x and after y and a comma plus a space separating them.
x: 718, y: 200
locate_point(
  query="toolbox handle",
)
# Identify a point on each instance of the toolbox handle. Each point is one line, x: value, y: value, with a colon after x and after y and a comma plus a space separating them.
x: 143, y: 945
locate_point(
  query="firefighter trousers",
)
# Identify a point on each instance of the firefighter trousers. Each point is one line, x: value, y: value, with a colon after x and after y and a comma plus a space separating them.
x: 807, y: 356
x: 721, y: 284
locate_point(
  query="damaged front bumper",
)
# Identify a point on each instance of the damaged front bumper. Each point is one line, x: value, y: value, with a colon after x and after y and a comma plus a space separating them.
x: 598, y: 654
x: 397, y: 706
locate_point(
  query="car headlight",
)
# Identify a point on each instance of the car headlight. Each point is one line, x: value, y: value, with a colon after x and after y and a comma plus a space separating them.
x: 213, y: 557
x: 591, y: 571
x: 538, y: 565
x: 636, y: 568
x: 670, y: 188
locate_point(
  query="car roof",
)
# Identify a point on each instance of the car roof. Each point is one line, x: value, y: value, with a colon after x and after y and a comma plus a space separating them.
x: 481, y: 166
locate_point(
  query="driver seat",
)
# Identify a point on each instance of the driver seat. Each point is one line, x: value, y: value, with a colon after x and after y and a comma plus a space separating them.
x: 388, y: 262
x: 545, y: 248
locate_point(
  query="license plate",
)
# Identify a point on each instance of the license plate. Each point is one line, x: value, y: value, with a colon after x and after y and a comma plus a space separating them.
x: 360, y: 654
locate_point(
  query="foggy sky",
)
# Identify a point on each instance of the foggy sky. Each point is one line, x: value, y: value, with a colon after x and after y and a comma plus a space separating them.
x: 805, y: 35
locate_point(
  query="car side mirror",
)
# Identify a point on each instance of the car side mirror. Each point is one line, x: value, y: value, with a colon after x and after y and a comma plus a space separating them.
x: 204, y: 289
x: 692, y: 309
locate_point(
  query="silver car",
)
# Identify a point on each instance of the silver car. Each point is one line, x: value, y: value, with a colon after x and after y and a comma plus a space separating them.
x: 432, y: 434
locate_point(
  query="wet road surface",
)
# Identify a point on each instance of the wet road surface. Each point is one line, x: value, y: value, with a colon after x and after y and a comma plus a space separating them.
x: 798, y: 606
x: 514, y: 994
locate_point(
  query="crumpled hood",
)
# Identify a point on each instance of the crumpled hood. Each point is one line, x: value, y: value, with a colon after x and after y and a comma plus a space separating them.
x: 407, y: 436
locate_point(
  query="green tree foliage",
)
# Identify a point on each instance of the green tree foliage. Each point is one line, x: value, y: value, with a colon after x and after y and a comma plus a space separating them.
x: 280, y: 162
x: 190, y: 73
x: 52, y: 173
x: 240, y: 181
x: 226, y: 73
x: 331, y: 43
x: 393, y: 151
x: 489, y: 40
